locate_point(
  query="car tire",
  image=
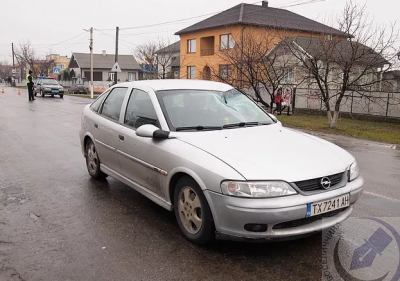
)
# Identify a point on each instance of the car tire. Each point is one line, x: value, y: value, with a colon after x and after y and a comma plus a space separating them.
x: 93, y: 162
x: 62, y: 96
x: 52, y: 96
x: 41, y: 93
x: 192, y: 212
x: 34, y: 93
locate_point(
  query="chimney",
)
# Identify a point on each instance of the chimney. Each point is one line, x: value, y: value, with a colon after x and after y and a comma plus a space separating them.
x: 104, y: 52
x: 264, y: 4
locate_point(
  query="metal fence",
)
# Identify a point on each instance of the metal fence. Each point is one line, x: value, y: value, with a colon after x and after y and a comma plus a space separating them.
x: 368, y: 103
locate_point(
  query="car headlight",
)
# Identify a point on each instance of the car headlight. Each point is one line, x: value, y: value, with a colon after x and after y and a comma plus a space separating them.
x: 257, y: 189
x: 354, y: 171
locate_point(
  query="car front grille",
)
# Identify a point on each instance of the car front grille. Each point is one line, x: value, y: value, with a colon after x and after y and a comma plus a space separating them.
x: 315, y: 184
x: 304, y: 221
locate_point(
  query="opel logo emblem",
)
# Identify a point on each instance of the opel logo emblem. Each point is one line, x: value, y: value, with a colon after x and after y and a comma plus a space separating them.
x: 325, y: 183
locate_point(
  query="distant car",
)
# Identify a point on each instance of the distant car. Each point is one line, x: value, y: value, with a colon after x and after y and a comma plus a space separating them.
x: 225, y: 166
x: 48, y: 86
x: 79, y: 89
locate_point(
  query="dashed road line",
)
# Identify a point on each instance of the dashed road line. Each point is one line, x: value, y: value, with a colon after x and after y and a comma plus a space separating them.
x: 381, y: 196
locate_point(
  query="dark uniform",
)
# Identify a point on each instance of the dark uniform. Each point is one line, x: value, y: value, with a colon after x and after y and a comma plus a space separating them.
x: 29, y: 83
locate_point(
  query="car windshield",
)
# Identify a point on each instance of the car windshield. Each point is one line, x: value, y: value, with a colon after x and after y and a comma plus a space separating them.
x: 205, y: 109
x: 49, y: 82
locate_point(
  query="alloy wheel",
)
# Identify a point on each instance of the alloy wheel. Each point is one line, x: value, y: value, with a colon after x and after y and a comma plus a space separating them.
x: 92, y: 157
x: 189, y: 207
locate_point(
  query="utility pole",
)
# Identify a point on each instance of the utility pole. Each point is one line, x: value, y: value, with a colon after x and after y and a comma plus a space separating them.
x: 116, y: 53
x: 13, y: 70
x: 91, y: 62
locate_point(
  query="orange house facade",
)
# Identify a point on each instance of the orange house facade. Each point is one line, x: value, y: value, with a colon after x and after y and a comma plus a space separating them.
x: 202, y: 43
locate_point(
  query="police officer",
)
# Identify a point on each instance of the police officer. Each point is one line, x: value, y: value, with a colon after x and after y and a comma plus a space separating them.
x: 29, y: 83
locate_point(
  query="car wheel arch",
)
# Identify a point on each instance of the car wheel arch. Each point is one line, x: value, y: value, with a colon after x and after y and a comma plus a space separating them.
x: 178, y: 173
x: 85, y: 141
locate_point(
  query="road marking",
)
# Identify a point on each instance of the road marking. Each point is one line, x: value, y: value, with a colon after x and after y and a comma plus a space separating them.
x: 381, y: 196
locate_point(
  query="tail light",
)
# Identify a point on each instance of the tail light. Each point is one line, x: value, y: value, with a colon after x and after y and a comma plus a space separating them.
x: 76, y: 88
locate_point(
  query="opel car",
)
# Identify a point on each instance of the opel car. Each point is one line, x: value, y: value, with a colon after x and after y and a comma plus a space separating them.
x: 227, y: 168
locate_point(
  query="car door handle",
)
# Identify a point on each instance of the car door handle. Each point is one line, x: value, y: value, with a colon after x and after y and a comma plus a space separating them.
x: 121, y: 138
x: 96, y: 126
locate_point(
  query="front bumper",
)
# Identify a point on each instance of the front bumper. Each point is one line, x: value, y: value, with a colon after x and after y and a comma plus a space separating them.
x: 231, y: 214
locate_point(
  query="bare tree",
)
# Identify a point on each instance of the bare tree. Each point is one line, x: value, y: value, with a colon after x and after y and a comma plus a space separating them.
x: 355, y: 61
x: 146, y: 55
x: 26, y: 56
x: 165, y: 55
x: 260, y: 67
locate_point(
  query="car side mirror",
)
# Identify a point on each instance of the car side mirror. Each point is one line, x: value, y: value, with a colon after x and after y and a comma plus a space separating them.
x: 151, y: 131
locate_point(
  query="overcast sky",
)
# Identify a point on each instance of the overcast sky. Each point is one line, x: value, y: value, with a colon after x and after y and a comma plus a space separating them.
x: 47, y: 24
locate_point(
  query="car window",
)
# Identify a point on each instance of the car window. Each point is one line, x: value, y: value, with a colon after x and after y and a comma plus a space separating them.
x: 97, y: 103
x: 49, y: 82
x: 140, y: 110
x: 186, y: 108
x: 112, y: 105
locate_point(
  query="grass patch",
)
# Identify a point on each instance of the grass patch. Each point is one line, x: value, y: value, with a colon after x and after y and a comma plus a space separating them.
x: 376, y: 131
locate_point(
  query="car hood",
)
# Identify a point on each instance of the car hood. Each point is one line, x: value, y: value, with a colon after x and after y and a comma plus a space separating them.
x: 272, y: 152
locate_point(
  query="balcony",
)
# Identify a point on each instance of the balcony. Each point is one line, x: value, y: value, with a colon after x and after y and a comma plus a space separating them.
x: 207, y: 46
x: 207, y: 52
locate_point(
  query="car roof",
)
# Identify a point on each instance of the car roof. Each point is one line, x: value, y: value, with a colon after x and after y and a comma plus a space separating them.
x: 178, y: 84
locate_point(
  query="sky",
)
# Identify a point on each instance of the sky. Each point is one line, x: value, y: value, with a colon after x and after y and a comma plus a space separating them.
x: 58, y: 26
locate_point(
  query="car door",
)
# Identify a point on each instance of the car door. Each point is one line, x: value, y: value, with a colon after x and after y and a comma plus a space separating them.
x: 106, y: 126
x: 37, y: 86
x: 139, y: 157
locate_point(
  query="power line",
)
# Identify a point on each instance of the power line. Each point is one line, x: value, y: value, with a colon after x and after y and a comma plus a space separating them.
x: 113, y: 37
x: 287, y: 5
x: 175, y: 21
x: 60, y: 43
x: 303, y: 3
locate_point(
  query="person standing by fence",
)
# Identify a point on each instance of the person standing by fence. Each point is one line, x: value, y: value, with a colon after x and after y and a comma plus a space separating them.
x: 278, y: 101
x: 287, y: 97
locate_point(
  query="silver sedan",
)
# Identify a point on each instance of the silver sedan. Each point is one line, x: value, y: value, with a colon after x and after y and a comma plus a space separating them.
x: 227, y: 168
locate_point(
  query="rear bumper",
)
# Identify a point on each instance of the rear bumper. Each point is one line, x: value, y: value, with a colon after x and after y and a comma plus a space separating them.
x: 231, y: 214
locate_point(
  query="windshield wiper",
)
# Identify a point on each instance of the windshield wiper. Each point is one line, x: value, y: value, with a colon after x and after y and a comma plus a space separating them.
x: 198, y: 128
x: 243, y: 124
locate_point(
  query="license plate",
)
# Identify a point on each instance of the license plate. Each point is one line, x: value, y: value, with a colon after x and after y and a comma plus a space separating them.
x: 54, y: 91
x: 329, y: 205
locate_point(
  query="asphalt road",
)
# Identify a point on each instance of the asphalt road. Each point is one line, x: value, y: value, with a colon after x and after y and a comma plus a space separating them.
x: 58, y: 224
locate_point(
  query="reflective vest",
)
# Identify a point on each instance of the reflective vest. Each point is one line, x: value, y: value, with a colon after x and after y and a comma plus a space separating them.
x: 27, y: 78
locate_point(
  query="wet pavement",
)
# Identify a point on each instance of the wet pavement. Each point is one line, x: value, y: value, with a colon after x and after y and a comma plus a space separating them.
x: 58, y: 224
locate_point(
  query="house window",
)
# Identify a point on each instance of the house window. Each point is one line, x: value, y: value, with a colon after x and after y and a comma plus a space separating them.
x: 224, y: 71
x: 192, y: 46
x: 111, y: 76
x: 287, y: 77
x: 191, y: 72
x: 226, y: 42
x: 132, y: 76
x: 61, y: 66
x: 176, y: 74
